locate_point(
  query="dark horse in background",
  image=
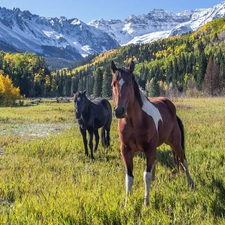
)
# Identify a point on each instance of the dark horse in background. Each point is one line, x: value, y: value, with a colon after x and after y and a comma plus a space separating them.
x: 143, y: 125
x: 92, y: 115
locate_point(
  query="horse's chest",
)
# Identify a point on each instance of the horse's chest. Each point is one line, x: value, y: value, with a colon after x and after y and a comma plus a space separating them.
x: 135, y: 138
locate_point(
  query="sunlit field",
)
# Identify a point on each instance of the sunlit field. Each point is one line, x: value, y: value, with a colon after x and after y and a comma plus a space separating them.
x: 45, y: 178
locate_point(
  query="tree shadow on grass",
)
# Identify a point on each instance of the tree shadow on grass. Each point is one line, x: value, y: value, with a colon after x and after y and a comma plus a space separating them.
x: 164, y: 157
x: 218, y: 205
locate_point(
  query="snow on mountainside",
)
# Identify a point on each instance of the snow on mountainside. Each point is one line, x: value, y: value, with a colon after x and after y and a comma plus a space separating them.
x: 72, y: 39
x: 60, y: 37
x: 157, y: 24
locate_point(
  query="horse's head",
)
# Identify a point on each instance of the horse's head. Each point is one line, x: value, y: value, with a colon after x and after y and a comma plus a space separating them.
x: 122, y: 87
x: 79, y: 102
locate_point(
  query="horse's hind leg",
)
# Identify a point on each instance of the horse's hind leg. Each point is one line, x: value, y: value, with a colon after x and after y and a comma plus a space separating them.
x: 103, y: 136
x: 179, y: 151
x: 176, y: 142
x: 106, y: 135
x: 184, y: 164
x: 96, y: 140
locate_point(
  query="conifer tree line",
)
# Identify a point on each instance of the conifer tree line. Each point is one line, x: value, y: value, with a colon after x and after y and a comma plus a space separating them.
x: 192, y: 64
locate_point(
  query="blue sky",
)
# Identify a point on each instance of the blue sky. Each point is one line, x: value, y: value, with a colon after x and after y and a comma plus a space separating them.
x: 87, y: 10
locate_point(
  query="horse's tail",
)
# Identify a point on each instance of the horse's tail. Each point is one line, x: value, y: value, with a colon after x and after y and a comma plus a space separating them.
x: 181, y: 126
x: 106, y: 134
x: 106, y: 127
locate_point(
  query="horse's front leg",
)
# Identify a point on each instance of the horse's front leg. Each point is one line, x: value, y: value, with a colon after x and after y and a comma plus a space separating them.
x: 96, y: 140
x: 149, y: 173
x: 127, y: 157
x: 90, y: 131
x: 83, y: 133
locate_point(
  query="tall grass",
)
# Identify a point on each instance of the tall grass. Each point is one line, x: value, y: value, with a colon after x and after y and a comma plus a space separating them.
x: 49, y: 180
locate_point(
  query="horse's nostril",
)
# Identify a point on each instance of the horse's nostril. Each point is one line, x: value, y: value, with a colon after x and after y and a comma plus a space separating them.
x: 122, y: 110
x: 119, y: 112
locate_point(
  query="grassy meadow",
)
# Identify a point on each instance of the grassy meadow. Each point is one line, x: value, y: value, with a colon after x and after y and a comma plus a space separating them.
x: 45, y: 178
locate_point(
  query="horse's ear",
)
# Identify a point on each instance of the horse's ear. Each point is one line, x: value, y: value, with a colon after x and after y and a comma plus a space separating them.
x: 131, y: 67
x: 84, y: 92
x: 113, y: 66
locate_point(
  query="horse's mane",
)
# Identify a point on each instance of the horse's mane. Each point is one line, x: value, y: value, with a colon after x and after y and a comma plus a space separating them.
x: 137, y: 91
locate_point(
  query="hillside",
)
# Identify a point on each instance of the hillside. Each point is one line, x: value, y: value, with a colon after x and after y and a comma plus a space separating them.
x: 175, y: 60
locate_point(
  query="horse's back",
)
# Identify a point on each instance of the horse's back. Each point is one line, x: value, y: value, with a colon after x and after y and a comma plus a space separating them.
x: 169, y: 118
x: 103, y: 110
x: 103, y: 102
x: 164, y: 106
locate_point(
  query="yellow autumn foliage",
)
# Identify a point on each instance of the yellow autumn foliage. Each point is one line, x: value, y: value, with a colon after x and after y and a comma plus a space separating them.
x: 8, y: 93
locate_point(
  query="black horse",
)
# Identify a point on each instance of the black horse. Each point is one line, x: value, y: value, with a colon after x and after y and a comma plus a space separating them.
x: 92, y: 115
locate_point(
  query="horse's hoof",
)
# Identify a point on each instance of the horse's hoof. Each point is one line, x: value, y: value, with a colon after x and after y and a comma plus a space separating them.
x: 191, y: 185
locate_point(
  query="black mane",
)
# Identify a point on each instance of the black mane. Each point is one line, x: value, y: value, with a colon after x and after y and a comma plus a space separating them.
x: 137, y: 91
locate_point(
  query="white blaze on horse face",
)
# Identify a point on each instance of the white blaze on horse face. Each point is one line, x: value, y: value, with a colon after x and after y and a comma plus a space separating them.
x: 151, y: 110
x: 121, y: 82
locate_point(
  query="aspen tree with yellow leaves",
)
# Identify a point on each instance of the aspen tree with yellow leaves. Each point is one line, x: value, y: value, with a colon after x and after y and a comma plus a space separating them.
x: 8, y: 93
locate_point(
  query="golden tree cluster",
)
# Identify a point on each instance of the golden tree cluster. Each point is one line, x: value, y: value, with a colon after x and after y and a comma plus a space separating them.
x: 8, y: 93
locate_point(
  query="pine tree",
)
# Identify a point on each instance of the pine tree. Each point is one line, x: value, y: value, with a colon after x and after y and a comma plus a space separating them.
x: 74, y: 84
x: 202, y: 68
x: 211, y: 79
x: 80, y: 83
x: 154, y: 88
x: 89, y: 85
x: 98, y: 77
x: 169, y: 74
x: 106, y: 85
x: 175, y: 73
x: 222, y: 73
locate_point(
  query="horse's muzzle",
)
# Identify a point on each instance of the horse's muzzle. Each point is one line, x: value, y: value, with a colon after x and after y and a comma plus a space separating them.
x: 119, y: 112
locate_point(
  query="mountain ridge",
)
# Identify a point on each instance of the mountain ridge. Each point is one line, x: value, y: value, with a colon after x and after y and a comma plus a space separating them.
x: 141, y: 29
x: 72, y: 39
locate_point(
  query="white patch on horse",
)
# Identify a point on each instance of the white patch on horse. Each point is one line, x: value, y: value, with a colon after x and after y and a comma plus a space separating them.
x: 121, y: 82
x: 129, y: 182
x: 151, y: 110
x: 78, y: 99
x: 147, y: 179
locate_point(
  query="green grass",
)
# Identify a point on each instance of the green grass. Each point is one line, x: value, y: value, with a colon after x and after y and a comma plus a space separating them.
x: 48, y: 179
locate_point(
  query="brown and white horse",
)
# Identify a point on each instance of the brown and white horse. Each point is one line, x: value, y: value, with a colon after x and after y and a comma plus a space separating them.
x: 144, y: 125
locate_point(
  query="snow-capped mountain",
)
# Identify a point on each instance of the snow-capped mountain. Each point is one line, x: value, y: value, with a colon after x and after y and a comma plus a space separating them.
x: 72, y: 39
x: 58, y: 37
x: 157, y: 24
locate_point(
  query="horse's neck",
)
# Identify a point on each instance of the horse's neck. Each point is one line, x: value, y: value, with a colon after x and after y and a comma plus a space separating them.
x: 87, y: 107
x: 134, y: 110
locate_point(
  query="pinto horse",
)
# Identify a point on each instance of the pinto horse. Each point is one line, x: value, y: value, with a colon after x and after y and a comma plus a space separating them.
x: 92, y: 115
x: 143, y: 125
